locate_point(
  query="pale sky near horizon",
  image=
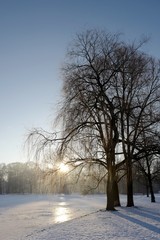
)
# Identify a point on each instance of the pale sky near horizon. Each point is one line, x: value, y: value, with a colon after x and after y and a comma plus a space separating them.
x: 34, y: 35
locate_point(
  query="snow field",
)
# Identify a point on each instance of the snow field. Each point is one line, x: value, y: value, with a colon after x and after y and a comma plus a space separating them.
x: 138, y: 223
x: 48, y: 217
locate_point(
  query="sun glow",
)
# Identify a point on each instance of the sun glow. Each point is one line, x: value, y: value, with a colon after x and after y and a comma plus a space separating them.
x: 63, y: 168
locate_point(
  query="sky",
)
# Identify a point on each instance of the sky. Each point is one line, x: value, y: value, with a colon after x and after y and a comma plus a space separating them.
x: 34, y: 36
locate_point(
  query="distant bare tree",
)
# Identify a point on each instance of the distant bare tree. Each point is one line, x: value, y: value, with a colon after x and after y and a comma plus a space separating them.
x: 2, y: 178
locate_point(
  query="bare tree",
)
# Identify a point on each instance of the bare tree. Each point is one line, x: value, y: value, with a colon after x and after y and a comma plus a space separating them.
x: 137, y: 86
x: 150, y: 155
x: 90, y: 120
x: 109, y: 87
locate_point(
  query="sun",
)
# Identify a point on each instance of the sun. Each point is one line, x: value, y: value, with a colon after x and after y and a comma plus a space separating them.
x: 63, y: 168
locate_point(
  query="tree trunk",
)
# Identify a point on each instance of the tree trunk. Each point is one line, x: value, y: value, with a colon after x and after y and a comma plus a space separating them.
x: 151, y: 188
x: 110, y: 196
x: 116, y: 194
x: 110, y: 189
x: 130, y: 202
x: 147, y: 188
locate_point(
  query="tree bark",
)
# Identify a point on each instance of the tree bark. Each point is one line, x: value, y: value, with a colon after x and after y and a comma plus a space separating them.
x: 130, y: 202
x: 147, y: 190
x: 110, y: 187
x: 151, y: 188
x: 116, y: 194
x: 110, y: 195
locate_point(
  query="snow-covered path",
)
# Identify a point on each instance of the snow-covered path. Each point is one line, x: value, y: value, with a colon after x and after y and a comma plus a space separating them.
x: 23, y: 215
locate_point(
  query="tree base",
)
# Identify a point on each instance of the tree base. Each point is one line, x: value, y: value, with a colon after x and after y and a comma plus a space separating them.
x: 110, y: 209
x: 128, y: 205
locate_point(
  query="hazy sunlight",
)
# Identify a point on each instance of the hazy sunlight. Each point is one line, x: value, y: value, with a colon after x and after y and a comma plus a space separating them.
x: 63, y: 168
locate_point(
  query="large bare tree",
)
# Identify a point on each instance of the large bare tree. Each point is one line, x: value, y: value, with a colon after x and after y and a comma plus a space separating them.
x: 108, y: 88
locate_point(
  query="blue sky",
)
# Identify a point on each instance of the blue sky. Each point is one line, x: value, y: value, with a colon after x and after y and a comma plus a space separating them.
x: 34, y: 35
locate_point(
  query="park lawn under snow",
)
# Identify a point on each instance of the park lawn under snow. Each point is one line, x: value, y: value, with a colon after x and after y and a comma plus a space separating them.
x: 67, y: 217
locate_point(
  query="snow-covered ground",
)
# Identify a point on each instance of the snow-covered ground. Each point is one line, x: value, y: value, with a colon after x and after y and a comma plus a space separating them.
x: 72, y: 217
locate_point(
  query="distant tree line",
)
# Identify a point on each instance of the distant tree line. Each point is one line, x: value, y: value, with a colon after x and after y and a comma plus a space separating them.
x: 29, y: 178
x: 18, y: 178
